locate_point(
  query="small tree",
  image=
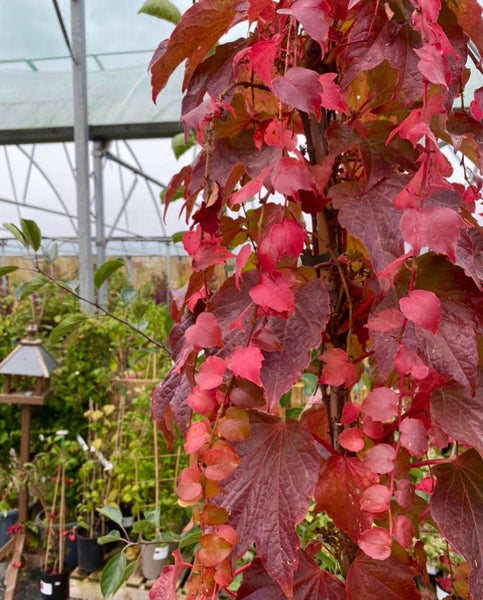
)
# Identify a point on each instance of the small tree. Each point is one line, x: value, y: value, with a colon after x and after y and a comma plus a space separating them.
x: 357, y: 268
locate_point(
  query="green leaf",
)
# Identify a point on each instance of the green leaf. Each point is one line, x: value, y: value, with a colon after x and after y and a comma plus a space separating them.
x: 73, y: 284
x: 138, y: 309
x: 66, y: 326
x: 128, y: 295
x: 31, y: 232
x: 152, y: 516
x: 310, y: 383
x: 15, y: 231
x: 7, y: 270
x: 189, y: 538
x: 178, y: 236
x: 29, y: 287
x: 106, y: 270
x: 162, y: 9
x: 179, y: 146
x: 112, y: 513
x: 113, y: 575
x: 50, y: 253
x: 112, y: 536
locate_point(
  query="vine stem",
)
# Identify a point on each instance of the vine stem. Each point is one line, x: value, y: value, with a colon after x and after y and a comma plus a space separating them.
x: 106, y: 312
x: 433, y: 461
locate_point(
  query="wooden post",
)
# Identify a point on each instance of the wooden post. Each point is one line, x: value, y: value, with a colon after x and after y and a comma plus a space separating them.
x: 24, y: 458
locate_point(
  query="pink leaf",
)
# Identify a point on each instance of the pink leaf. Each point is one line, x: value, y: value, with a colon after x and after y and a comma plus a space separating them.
x: 423, y: 308
x: 241, y: 260
x: 390, y: 579
x: 380, y: 458
x: 211, y: 373
x: 300, y: 88
x: 260, y: 58
x: 457, y: 508
x: 386, y: 320
x: 476, y: 105
x: 435, y: 227
x: 189, y: 488
x: 198, y: 435
x: 376, y: 543
x: 337, y: 369
x: 381, y: 404
x: 350, y: 413
x: 202, y: 401
x: 376, y: 499
x: 290, y: 175
x: 351, y: 439
x: 408, y: 362
x: 260, y: 482
x: 373, y: 429
x: 220, y: 461
x: 205, y: 252
x: 404, y: 531
x: 341, y: 485
x: 414, y: 436
x: 205, y: 333
x: 164, y: 587
x: 433, y: 65
x: 285, y: 238
x: 246, y: 363
x: 404, y: 494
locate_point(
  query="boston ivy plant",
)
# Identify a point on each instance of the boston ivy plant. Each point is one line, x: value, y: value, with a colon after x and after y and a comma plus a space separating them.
x: 324, y: 172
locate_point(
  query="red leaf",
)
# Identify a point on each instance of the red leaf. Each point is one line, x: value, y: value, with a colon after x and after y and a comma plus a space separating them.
x: 457, y: 508
x: 380, y: 458
x: 198, y: 31
x: 408, y: 362
x: 331, y: 97
x: 211, y: 373
x: 246, y: 363
x: 372, y: 218
x: 435, y: 227
x: 433, y: 65
x: 381, y: 404
x: 298, y: 335
x: 341, y: 484
x: 241, y: 260
x: 350, y: 413
x: 404, y: 494
x: 310, y: 583
x: 404, y: 531
x: 205, y: 333
x: 414, y: 436
x: 422, y: 308
x: 314, y: 18
x: 273, y: 293
x: 369, y: 579
x: 164, y: 587
x: 476, y: 105
x: 168, y: 399
x: 337, y: 369
x: 459, y: 413
x: 260, y: 58
x: 290, y: 175
x: 376, y: 543
x: 189, y: 488
x: 205, y: 252
x: 202, y: 401
x: 214, y: 550
x: 220, y: 461
x: 300, y: 88
x: 279, y: 467
x: 198, y: 435
x: 285, y: 238
x: 351, y: 439
x: 376, y: 499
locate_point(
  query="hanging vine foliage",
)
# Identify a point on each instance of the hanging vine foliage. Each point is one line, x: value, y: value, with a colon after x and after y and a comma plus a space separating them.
x: 325, y: 177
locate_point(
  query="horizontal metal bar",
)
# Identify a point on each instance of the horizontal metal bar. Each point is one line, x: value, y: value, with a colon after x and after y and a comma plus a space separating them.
x: 126, y: 165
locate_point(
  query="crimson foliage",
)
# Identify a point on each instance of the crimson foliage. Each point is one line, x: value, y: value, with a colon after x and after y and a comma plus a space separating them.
x: 324, y: 178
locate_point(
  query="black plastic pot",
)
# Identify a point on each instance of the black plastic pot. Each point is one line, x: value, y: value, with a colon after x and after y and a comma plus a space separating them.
x: 54, y: 586
x: 90, y: 555
x: 5, y: 523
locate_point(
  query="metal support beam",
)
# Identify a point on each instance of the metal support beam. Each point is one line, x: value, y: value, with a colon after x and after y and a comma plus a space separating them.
x: 81, y: 139
x: 98, y: 155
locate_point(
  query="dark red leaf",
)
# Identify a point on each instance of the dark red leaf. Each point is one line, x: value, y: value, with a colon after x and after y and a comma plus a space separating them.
x: 372, y: 218
x: 386, y: 320
x: 457, y: 508
x: 298, y: 335
x: 279, y: 467
x: 168, y: 399
x: 414, y: 436
x: 404, y: 531
x: 459, y: 413
x: 310, y: 583
x: 370, y: 579
x: 313, y: 15
x: 339, y: 490
x: 299, y: 88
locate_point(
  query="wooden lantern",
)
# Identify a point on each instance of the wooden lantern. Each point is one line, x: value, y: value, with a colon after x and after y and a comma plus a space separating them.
x: 28, y: 359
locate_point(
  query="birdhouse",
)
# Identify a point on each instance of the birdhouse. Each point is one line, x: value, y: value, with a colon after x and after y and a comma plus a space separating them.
x: 27, y: 370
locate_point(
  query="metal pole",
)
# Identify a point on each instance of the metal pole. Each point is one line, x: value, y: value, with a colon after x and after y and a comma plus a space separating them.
x: 168, y: 273
x: 81, y: 139
x: 98, y: 154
